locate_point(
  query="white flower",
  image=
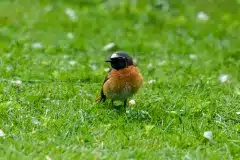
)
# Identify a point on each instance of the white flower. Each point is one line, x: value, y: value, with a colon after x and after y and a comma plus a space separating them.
x: 17, y: 83
x: 238, y: 113
x: 2, y: 134
x: 150, y: 65
x: 37, y: 45
x: 161, y: 63
x: 65, y: 57
x: 71, y: 14
x: 93, y: 66
x: 48, y: 158
x: 72, y: 62
x: 70, y: 35
x: 132, y: 102
x: 223, y: 78
x: 8, y: 55
x: 151, y: 81
x: 193, y: 56
x: 109, y: 46
x: 134, y: 61
x: 202, y: 16
x: 35, y: 121
x: 208, y: 135
x: 48, y: 8
x: 107, y: 69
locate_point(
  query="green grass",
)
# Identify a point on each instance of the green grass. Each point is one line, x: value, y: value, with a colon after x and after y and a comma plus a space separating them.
x: 53, y: 114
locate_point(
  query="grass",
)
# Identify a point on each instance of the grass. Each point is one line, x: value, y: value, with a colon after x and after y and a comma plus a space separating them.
x: 53, y: 114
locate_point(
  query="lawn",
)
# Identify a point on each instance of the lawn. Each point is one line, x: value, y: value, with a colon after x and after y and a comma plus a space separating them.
x: 52, y: 67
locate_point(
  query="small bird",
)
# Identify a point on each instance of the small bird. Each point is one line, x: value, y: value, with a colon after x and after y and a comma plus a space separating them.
x: 122, y: 81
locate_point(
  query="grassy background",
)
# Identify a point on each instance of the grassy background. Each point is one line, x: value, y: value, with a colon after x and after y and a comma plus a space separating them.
x: 52, y: 114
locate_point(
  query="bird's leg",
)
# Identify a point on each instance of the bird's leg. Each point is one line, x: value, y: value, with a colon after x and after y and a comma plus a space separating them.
x: 112, y: 103
x: 125, y: 104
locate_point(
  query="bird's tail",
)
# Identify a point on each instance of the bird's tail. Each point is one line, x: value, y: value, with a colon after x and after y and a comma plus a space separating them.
x: 101, y: 98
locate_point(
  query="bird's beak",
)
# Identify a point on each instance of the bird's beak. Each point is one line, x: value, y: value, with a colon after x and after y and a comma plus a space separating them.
x: 108, y: 60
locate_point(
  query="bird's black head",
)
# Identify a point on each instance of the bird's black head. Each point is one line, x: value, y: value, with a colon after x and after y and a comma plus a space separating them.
x: 120, y: 60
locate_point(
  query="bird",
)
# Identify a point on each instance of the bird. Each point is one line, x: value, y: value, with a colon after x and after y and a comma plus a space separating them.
x: 122, y: 81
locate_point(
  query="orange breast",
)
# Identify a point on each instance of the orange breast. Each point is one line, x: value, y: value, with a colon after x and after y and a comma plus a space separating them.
x: 122, y: 83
